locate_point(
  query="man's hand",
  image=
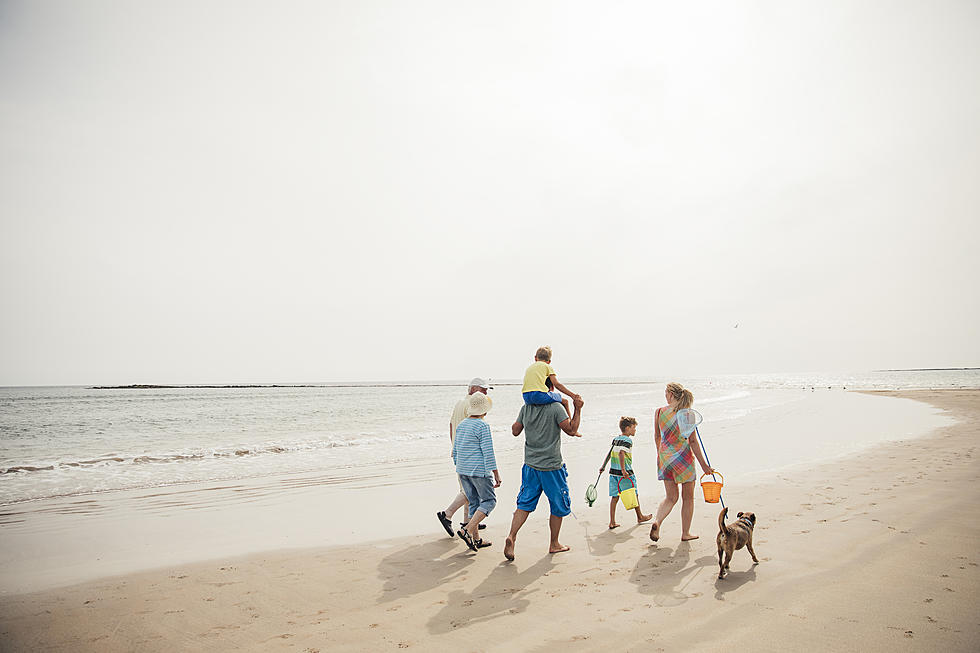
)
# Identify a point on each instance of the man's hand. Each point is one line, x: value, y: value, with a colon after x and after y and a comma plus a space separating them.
x: 577, y: 401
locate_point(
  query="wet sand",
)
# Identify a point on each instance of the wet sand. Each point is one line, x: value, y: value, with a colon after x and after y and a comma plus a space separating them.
x: 877, y: 551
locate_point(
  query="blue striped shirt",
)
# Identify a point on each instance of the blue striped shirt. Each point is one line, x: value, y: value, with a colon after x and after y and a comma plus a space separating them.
x: 473, y: 448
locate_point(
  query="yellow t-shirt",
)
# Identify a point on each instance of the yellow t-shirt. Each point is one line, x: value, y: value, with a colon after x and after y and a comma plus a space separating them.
x: 536, y: 375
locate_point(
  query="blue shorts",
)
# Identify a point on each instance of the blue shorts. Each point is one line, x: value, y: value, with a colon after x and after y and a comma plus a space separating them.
x: 538, y: 398
x: 553, y: 483
x: 619, y: 483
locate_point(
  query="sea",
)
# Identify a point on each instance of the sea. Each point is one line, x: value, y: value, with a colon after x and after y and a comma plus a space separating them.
x: 80, y: 441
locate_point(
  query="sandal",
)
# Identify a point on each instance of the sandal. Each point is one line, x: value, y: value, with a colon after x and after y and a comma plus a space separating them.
x: 465, y: 536
x: 480, y: 527
x: 482, y: 543
x: 446, y: 522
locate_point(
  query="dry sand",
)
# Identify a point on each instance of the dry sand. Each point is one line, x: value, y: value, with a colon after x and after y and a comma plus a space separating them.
x: 877, y: 552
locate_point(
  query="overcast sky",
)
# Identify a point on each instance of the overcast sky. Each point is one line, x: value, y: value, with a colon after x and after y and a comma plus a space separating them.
x: 326, y: 191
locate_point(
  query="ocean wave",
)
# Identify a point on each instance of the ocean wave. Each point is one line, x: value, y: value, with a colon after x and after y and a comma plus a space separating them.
x: 240, y: 451
x: 742, y: 394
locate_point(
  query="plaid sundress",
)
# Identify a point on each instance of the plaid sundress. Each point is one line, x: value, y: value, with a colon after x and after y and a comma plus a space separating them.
x: 675, y: 461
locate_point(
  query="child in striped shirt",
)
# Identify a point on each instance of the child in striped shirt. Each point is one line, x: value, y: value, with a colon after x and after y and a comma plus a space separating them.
x: 621, y: 475
x: 475, y: 462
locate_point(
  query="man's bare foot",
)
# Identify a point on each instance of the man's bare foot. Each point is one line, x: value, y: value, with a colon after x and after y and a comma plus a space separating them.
x: 689, y: 537
x: 642, y: 518
x: 612, y: 526
x: 559, y: 549
x: 509, y: 548
x: 655, y: 532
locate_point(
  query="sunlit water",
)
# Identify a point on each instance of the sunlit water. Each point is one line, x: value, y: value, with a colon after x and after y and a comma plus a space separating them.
x: 68, y: 441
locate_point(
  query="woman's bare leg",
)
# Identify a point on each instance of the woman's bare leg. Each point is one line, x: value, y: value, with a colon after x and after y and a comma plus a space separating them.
x: 687, y: 511
x: 664, y: 509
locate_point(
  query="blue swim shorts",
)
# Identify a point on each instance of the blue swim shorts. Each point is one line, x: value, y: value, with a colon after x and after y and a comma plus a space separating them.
x: 620, y: 483
x: 553, y: 483
x: 538, y: 398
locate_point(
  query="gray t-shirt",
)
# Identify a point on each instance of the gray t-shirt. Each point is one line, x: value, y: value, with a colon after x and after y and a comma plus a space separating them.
x: 542, y: 435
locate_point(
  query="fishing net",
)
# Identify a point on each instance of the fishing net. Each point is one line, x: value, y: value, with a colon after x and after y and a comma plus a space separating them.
x: 687, y: 420
x: 591, y: 494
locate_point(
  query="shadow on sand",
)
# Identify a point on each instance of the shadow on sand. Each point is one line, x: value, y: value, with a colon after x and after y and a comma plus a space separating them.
x: 503, y: 592
x: 732, y: 581
x: 422, y: 567
x: 604, y: 542
x: 664, y: 573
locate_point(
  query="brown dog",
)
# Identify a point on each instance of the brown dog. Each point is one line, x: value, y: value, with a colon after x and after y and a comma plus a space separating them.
x: 733, y: 537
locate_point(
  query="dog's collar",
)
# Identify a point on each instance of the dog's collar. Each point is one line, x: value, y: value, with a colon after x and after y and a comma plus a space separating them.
x: 747, y: 522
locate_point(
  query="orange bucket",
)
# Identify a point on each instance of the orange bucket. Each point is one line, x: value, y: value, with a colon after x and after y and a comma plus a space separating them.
x: 712, y: 489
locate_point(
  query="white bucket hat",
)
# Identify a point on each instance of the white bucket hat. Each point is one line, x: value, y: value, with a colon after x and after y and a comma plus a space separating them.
x: 478, y: 404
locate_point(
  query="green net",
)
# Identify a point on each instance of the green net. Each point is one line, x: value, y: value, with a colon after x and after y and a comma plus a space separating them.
x: 590, y: 495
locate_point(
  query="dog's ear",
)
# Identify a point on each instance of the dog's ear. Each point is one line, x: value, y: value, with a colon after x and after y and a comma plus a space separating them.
x: 739, y: 515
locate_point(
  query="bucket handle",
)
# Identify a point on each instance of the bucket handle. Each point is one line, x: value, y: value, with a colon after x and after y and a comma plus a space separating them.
x: 620, y: 481
x: 701, y: 480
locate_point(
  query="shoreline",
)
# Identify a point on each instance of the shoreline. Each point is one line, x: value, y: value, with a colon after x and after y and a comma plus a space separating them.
x: 836, y: 543
x: 139, y: 529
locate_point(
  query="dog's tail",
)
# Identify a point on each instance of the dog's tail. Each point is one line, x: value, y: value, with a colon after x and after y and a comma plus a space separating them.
x: 721, y: 521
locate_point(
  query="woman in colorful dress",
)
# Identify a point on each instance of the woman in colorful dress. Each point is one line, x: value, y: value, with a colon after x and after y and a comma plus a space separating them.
x: 676, y: 451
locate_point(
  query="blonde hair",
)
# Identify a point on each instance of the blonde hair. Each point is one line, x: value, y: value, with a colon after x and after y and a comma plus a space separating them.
x: 625, y: 422
x: 683, y: 396
x: 543, y: 354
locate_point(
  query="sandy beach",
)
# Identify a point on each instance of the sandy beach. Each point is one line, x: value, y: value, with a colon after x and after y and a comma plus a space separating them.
x: 877, y: 551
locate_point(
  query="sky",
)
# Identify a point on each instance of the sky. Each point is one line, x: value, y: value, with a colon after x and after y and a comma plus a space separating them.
x: 262, y: 192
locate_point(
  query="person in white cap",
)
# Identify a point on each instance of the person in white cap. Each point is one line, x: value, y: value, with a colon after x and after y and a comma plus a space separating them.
x: 476, y: 466
x: 460, y: 501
